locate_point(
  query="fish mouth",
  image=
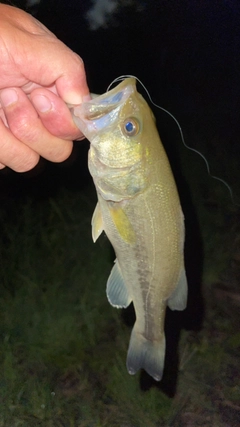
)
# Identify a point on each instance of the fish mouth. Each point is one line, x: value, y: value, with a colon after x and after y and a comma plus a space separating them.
x: 103, y: 105
x: 94, y: 116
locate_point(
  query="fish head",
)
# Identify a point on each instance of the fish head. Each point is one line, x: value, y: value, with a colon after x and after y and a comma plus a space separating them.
x: 118, y: 125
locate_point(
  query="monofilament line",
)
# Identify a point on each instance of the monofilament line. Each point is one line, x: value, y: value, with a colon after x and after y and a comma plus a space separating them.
x: 123, y: 77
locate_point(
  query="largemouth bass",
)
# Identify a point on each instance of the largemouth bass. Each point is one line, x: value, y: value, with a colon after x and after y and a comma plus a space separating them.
x: 139, y: 210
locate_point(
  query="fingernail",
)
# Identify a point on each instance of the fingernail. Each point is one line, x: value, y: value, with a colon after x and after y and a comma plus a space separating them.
x: 41, y: 103
x: 8, y: 97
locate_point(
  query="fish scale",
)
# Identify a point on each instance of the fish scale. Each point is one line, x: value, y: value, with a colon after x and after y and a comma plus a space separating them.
x: 139, y: 210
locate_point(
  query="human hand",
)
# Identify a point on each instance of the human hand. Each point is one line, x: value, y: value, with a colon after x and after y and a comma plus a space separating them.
x: 38, y: 76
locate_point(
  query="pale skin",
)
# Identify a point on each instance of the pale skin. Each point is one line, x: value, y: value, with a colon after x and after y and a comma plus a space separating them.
x: 39, y: 75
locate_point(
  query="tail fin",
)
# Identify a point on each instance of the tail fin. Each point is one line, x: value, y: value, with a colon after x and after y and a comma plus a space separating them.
x: 146, y: 354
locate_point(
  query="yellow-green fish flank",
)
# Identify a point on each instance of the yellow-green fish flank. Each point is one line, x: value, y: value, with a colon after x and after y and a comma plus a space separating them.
x: 139, y: 210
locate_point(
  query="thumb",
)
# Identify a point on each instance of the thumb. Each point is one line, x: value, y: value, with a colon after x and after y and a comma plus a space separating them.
x: 71, y: 85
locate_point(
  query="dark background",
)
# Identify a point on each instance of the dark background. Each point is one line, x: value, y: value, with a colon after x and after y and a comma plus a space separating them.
x: 186, y: 53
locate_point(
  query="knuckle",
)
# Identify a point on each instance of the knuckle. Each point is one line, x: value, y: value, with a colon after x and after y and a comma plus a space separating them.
x: 78, y: 60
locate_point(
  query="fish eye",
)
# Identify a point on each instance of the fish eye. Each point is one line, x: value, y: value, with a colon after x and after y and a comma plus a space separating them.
x: 131, y: 126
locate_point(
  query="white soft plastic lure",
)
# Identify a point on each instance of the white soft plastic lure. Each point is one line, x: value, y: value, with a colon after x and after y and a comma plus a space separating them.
x: 139, y: 210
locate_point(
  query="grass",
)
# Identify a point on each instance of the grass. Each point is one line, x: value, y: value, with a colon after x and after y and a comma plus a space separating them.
x: 63, y: 347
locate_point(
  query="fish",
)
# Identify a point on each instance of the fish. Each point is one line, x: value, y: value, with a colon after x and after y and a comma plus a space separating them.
x: 139, y: 210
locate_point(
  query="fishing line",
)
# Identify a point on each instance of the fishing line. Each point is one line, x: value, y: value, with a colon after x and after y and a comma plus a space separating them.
x: 123, y: 77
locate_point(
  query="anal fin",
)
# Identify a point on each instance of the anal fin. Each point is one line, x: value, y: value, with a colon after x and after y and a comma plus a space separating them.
x: 178, y: 299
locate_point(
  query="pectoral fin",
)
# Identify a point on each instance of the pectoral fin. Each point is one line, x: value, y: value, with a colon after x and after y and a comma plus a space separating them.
x: 122, y: 223
x: 97, y: 223
x: 117, y: 292
x: 178, y: 299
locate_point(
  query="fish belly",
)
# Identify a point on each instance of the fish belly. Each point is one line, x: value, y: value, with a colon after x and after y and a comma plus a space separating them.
x: 150, y: 265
